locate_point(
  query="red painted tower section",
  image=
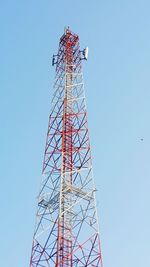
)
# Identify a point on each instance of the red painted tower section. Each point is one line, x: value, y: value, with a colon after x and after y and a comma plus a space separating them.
x: 66, y: 232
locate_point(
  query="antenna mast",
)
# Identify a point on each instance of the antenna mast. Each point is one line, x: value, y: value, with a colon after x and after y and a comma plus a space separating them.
x: 66, y: 232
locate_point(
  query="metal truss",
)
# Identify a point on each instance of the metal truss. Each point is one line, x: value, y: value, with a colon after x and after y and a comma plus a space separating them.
x: 66, y: 232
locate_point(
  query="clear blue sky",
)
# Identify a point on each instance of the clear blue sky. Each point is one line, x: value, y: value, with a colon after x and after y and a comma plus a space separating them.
x: 117, y: 79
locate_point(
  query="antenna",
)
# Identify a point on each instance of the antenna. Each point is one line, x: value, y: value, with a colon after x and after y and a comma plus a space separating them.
x: 84, y: 53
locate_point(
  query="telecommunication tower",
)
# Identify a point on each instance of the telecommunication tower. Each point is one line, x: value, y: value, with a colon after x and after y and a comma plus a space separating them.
x: 66, y: 231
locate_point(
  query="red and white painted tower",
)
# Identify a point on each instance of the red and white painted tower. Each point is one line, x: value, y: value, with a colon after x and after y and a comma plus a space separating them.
x: 66, y: 232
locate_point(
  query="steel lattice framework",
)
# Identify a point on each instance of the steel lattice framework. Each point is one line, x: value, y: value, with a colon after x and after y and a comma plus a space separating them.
x: 66, y: 232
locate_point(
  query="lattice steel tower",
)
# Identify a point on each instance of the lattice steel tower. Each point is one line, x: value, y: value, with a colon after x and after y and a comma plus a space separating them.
x: 66, y: 232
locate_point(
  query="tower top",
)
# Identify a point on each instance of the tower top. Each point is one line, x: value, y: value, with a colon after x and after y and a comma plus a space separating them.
x: 66, y: 29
